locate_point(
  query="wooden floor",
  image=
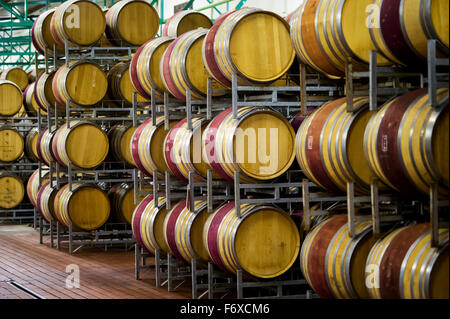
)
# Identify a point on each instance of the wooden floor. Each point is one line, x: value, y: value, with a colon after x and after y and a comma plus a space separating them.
x: 42, y: 270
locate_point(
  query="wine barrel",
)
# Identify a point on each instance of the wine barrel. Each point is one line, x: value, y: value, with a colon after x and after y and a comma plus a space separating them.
x: 263, y: 127
x: 148, y: 224
x: 329, y: 144
x: 185, y: 21
x: 120, y: 87
x: 264, y: 242
x: 182, y: 67
x: 29, y: 101
x: 326, y: 33
x: 144, y: 67
x: 406, y: 26
x: 31, y: 144
x: 84, y: 144
x: 11, y: 144
x: 12, y: 190
x: 10, y: 98
x: 255, y: 45
x: 406, y: 143
x: 147, y: 145
x: 183, y: 232
x: 86, y: 206
x: 44, y: 146
x: 44, y: 95
x: 80, y: 22
x: 183, y: 150
x: 82, y: 83
x: 41, y: 35
x: 120, y: 137
x: 16, y: 75
x: 131, y: 22
x: 333, y: 263
x: 121, y: 197
x: 33, y: 184
x: 298, y: 119
x: 404, y: 265
x: 45, y: 202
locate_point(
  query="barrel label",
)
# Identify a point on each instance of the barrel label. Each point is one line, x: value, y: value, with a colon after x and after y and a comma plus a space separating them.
x: 384, y: 144
x: 310, y: 142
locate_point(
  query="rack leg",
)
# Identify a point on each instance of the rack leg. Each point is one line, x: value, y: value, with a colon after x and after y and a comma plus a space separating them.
x: 375, y: 209
x: 210, y: 280
x: 158, y: 268
x: 240, y: 289
x: 51, y: 234
x: 351, y: 208
x: 137, y: 259
x: 169, y: 273
x: 70, y: 239
x: 194, y: 278
x: 40, y: 231
x: 306, y: 207
x: 58, y: 235
x: 434, y: 215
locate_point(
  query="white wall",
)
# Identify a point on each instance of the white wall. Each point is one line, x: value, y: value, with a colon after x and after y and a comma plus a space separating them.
x: 282, y: 7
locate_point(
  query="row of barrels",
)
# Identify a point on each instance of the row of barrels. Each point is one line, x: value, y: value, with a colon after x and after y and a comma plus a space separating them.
x: 264, y: 242
x: 325, y: 34
x: 400, y: 265
x: 85, y: 206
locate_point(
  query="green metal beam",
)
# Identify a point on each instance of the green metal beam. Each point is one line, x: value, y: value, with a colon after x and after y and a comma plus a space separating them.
x: 22, y: 24
x: 11, y: 9
x: 241, y: 4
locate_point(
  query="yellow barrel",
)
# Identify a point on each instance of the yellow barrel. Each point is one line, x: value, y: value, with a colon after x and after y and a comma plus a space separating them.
x: 84, y: 144
x: 81, y: 22
x: 333, y: 263
x: 16, y: 75
x: 12, y: 190
x: 131, y: 22
x: 182, y: 67
x: 120, y: 137
x: 144, y: 67
x: 185, y: 21
x: 10, y: 98
x: 121, y: 197
x: 329, y: 143
x: 259, y: 144
x: 44, y: 95
x: 11, y: 144
x: 183, y: 232
x: 41, y: 35
x: 264, y: 242
x: 44, y: 145
x: 29, y: 101
x: 151, y: 227
x: 31, y: 144
x: 147, y: 146
x: 255, y: 45
x: 406, y: 143
x: 87, y: 207
x: 45, y: 201
x: 82, y: 83
x: 120, y: 88
x: 33, y: 184
x: 404, y: 265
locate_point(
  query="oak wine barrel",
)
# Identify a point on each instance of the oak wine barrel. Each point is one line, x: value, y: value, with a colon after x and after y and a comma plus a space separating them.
x: 263, y: 127
x: 120, y: 137
x: 16, y: 75
x: 44, y: 146
x: 333, y: 263
x: 29, y: 101
x: 183, y: 232
x: 41, y: 34
x: 406, y: 143
x: 147, y: 146
x: 120, y: 87
x: 182, y: 66
x: 121, y: 197
x: 82, y: 83
x: 406, y: 26
x: 131, y: 23
x: 255, y: 45
x: 10, y: 98
x: 84, y: 144
x: 329, y: 146
x: 45, y: 201
x: 11, y: 144
x: 44, y: 95
x: 12, y: 190
x: 145, y: 67
x: 185, y: 21
x: 86, y: 207
x: 33, y: 184
x: 298, y: 119
x: 148, y: 224
x: 326, y: 33
x: 404, y: 265
x: 264, y: 242
x: 80, y: 22
x: 31, y: 144
x: 183, y: 150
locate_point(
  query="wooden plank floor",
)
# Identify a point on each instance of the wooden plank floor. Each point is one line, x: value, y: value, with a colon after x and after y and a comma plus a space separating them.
x: 41, y: 269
